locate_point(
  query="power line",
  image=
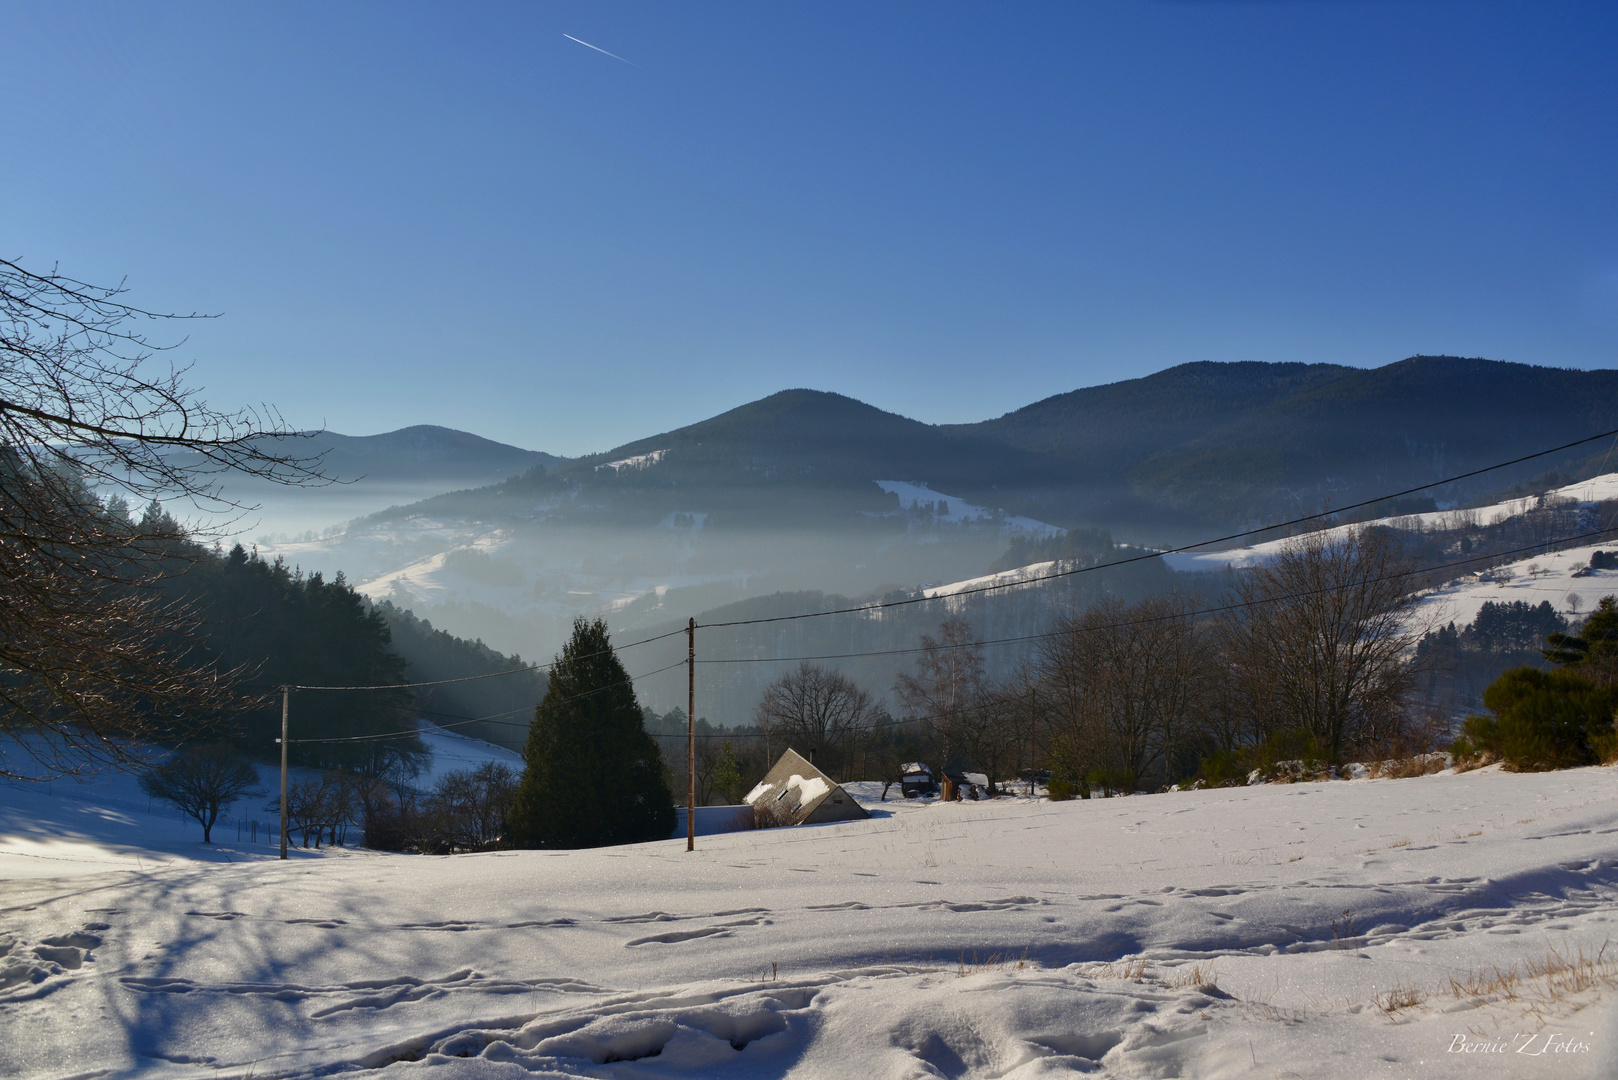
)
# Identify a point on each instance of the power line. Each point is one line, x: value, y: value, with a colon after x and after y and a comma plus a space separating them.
x: 473, y: 720
x: 1542, y: 547
x: 487, y: 675
x: 1166, y: 551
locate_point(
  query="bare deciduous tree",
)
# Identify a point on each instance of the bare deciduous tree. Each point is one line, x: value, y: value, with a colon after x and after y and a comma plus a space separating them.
x: 948, y: 684
x: 469, y: 806
x: 817, y: 710
x: 201, y: 781
x: 973, y: 720
x: 1321, y: 639
x: 1126, y: 684
x: 90, y: 654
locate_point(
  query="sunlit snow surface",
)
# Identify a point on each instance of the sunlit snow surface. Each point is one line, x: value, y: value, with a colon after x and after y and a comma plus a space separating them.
x: 969, y: 939
x: 961, y: 512
x: 1596, y: 489
x: 452, y: 751
x: 69, y: 827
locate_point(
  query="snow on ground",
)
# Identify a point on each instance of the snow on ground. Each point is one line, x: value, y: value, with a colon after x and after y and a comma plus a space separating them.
x: 962, y: 512
x: 453, y: 751
x: 1031, y: 572
x: 1307, y: 930
x: 639, y: 461
x: 1551, y: 579
x: 70, y: 827
x: 1585, y: 492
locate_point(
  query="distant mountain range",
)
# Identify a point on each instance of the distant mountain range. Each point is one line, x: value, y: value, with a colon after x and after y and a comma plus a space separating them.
x: 1194, y: 447
x: 422, y: 454
x: 373, y: 472
x: 1231, y: 443
x: 807, y: 490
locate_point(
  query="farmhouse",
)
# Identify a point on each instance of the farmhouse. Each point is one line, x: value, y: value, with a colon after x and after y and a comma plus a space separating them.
x: 804, y: 794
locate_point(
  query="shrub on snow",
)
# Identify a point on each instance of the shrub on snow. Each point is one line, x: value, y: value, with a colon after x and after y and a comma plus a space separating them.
x: 1543, y: 720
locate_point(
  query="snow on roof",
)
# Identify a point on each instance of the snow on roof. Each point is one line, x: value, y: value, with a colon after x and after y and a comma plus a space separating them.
x: 798, y: 786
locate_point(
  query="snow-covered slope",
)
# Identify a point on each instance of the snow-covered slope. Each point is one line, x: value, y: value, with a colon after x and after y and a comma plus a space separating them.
x: 453, y: 751
x: 1586, y: 492
x: 1031, y: 572
x: 1539, y: 578
x: 68, y: 827
x: 1346, y: 929
x: 957, y: 511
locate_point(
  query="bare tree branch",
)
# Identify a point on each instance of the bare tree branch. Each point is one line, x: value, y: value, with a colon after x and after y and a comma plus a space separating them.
x: 92, y: 653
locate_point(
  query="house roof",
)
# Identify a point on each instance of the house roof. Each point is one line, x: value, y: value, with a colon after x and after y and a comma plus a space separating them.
x: 813, y: 796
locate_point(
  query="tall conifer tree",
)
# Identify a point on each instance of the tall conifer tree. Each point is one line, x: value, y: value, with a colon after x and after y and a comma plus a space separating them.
x: 593, y: 777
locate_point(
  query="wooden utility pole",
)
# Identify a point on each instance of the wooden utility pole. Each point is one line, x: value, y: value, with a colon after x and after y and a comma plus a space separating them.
x: 691, y: 735
x: 1033, y: 721
x: 286, y: 698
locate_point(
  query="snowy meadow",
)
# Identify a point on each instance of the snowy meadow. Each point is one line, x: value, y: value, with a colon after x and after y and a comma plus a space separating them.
x: 1447, y: 925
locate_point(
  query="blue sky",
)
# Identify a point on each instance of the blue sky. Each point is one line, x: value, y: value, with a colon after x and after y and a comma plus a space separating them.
x: 453, y: 214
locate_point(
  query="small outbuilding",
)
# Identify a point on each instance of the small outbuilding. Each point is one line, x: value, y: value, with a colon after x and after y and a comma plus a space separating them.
x: 803, y: 795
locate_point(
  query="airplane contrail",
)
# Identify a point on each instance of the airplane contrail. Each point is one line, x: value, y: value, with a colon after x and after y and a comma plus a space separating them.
x: 587, y: 45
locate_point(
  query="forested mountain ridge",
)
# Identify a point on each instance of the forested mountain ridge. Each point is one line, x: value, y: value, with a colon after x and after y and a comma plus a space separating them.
x: 272, y: 625
x: 807, y: 490
x: 371, y: 472
x: 1228, y: 444
x: 1119, y: 424
x: 814, y: 437
x: 1197, y: 446
x: 423, y: 452
x: 502, y: 703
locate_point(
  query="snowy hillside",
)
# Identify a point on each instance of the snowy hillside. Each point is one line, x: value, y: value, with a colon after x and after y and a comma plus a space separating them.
x: 1345, y: 929
x: 1031, y: 572
x: 957, y: 511
x: 452, y: 751
x: 1532, y: 579
x: 1540, y: 578
x: 68, y: 827
x: 1585, y: 493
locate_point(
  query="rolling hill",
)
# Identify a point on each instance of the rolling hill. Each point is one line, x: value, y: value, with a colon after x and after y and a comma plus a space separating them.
x: 808, y: 490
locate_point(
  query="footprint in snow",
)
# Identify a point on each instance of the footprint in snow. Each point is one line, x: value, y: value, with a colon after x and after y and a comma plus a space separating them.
x: 677, y: 936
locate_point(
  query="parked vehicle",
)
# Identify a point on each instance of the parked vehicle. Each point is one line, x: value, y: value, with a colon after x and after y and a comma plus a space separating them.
x: 916, y: 780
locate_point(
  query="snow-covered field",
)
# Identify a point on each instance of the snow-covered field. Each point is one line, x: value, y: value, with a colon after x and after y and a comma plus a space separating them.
x: 1533, y: 580
x: 1343, y: 929
x: 1585, y: 493
x: 68, y: 827
x: 961, y: 512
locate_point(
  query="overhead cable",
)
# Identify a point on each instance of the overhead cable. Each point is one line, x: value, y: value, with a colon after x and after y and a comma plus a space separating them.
x: 1054, y: 575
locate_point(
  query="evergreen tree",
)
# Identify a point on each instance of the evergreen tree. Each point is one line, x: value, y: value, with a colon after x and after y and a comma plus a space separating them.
x: 1594, y: 650
x: 727, y: 774
x: 594, y: 776
x: 1545, y: 720
x: 273, y: 624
